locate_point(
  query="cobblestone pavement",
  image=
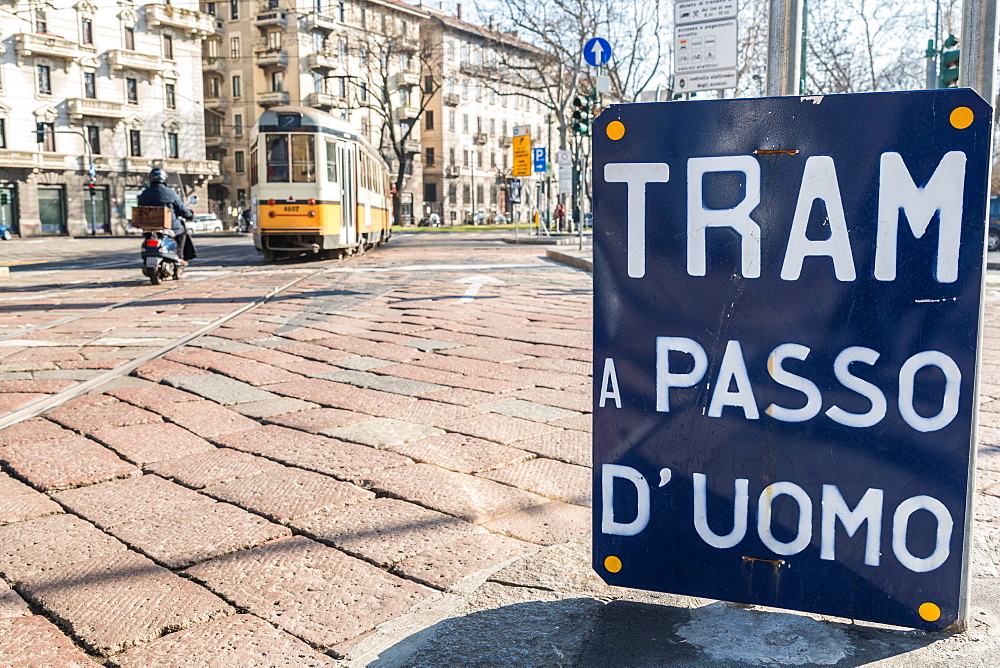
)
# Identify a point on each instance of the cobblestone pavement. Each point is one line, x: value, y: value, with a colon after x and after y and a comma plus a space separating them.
x: 385, y: 463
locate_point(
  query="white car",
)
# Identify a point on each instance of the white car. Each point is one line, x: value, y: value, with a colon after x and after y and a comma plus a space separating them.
x: 204, y: 222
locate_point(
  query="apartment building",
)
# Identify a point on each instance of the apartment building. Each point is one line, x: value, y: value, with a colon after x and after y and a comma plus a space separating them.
x: 468, y: 126
x: 357, y: 59
x: 115, y: 86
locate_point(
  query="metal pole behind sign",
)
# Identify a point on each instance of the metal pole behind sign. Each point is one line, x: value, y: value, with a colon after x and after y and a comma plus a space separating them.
x: 977, y: 66
x: 784, y: 47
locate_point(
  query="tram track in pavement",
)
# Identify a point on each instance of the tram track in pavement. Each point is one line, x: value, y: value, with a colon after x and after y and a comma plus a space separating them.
x: 38, y: 407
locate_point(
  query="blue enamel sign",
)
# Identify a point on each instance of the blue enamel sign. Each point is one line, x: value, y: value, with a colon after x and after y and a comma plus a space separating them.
x: 597, y: 51
x: 538, y: 159
x: 786, y: 319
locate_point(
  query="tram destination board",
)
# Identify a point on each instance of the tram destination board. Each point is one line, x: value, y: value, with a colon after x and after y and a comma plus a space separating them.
x: 786, y: 336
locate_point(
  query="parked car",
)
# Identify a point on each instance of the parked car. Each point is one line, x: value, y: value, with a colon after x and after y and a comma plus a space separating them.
x: 5, y: 233
x: 993, y: 240
x: 204, y: 222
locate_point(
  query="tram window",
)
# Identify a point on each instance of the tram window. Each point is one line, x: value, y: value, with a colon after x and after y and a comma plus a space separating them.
x: 277, y: 158
x: 331, y: 161
x: 253, y: 165
x: 303, y: 159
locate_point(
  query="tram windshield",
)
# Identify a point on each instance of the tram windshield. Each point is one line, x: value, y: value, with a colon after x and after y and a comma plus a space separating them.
x: 299, y: 163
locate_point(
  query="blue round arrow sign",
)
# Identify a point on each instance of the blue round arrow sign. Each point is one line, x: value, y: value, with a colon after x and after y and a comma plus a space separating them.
x: 597, y: 51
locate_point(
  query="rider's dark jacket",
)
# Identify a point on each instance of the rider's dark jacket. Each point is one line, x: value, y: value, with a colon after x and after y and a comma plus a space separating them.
x: 158, y: 194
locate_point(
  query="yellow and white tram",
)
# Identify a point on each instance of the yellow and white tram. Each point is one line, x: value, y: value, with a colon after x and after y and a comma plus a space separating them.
x: 319, y: 187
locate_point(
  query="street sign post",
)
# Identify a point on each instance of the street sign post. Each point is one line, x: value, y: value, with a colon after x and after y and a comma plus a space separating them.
x: 597, y: 51
x: 539, y: 160
x: 522, y: 155
x: 786, y: 329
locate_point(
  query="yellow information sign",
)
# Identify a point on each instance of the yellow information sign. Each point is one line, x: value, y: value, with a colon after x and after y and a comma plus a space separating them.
x: 522, y: 156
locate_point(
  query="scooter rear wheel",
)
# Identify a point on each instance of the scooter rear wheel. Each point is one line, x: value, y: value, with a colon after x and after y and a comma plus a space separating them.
x: 153, y: 273
x: 178, y: 271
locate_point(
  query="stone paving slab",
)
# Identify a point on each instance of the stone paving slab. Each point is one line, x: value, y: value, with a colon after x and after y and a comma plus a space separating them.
x: 35, y: 429
x: 240, y: 641
x: 385, y: 531
x: 361, y: 363
x: 34, y: 641
x: 338, y: 395
x: 208, y: 468
x: 284, y: 494
x: 151, y: 396
x: 372, y: 381
x: 322, y: 454
x: 500, y: 428
x: 444, y: 566
x: 381, y: 432
x: 460, y: 453
x: 11, y: 605
x: 309, y: 590
x: 18, y: 502
x: 547, y: 477
x: 112, y: 503
x: 65, y: 462
x: 220, y: 389
x: 567, y: 445
x: 89, y: 418
x: 528, y: 410
x: 48, y: 543
x: 112, y: 603
x: 143, y: 444
x: 571, y: 401
x: 550, y: 523
x: 315, y: 420
x: 427, y: 412
x: 206, y: 419
x: 472, y: 499
x: 271, y: 407
x: 186, y: 536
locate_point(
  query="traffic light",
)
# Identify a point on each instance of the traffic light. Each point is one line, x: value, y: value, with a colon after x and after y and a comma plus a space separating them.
x: 949, y: 63
x: 581, y: 115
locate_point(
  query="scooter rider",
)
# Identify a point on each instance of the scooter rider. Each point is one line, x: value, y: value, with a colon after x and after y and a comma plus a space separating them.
x: 158, y: 194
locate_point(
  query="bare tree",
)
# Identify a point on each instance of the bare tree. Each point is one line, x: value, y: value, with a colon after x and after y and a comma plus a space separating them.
x: 399, y: 75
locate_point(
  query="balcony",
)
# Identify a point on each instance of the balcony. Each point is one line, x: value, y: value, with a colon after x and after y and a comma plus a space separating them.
x: 451, y: 171
x: 406, y: 113
x: 198, y: 167
x: 321, y: 22
x: 217, y: 103
x: 37, y: 44
x: 195, y: 23
x: 213, y: 64
x: 272, y: 98
x: 11, y: 158
x: 272, y: 58
x: 405, y: 80
x: 505, y: 142
x: 141, y: 165
x: 215, y: 141
x: 452, y: 99
x: 407, y: 44
x: 480, y: 138
x: 324, y: 101
x: 78, y: 107
x: 119, y: 59
x: 321, y: 62
x: 271, y: 18
x: 412, y: 146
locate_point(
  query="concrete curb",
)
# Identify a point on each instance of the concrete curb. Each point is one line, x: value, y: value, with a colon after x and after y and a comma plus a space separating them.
x: 581, y: 259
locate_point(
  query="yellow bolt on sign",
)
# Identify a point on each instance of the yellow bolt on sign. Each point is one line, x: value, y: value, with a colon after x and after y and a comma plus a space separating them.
x: 522, y: 155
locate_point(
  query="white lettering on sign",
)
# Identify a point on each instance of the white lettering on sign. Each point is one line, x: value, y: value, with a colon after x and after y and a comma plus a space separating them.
x: 609, y: 385
x: 636, y: 175
x: 733, y: 372
x: 869, y: 511
x: 943, y: 194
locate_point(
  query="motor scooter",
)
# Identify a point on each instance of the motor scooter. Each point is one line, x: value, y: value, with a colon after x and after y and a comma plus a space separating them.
x: 160, y: 259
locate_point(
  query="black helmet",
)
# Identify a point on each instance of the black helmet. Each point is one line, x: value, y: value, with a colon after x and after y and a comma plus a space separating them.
x: 157, y: 176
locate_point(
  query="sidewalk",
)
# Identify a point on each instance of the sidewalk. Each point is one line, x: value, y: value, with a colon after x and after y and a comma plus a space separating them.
x: 369, y: 471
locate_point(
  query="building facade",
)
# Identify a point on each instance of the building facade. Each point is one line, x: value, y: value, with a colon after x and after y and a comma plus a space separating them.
x: 109, y: 89
x: 469, y: 124
x: 358, y: 60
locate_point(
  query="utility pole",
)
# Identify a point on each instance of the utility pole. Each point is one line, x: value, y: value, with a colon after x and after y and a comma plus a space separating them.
x: 977, y: 67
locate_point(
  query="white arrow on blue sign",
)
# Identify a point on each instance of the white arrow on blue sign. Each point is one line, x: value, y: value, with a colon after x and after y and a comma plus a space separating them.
x: 597, y: 51
x: 538, y: 159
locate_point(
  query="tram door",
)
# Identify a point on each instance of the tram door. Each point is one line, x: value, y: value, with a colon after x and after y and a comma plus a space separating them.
x: 349, y: 190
